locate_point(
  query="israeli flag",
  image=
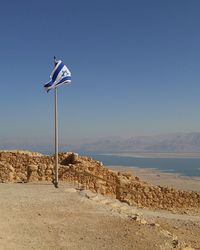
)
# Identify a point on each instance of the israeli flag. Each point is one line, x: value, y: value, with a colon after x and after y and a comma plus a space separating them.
x: 60, y: 76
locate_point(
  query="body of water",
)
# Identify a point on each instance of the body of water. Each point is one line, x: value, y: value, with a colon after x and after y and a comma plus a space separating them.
x: 182, y: 166
x: 186, y: 164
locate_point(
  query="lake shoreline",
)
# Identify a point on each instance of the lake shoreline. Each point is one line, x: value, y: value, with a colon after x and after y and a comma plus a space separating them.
x: 185, y: 166
x: 157, y: 177
x: 190, y: 155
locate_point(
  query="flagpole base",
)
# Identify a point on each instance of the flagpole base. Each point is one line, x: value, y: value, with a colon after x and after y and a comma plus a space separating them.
x: 55, y: 183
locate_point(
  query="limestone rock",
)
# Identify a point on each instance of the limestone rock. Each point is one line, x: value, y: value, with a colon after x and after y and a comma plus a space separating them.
x: 21, y: 166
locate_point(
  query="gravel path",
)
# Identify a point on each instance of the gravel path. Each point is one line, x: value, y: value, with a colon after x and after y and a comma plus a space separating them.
x: 38, y: 216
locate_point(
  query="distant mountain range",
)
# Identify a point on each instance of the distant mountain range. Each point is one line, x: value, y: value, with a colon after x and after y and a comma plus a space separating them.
x: 169, y: 143
x: 178, y: 142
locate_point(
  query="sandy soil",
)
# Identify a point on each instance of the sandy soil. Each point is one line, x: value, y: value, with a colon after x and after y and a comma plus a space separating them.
x: 164, y: 179
x: 38, y: 216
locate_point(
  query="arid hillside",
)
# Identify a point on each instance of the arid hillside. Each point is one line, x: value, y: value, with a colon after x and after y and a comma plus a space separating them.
x: 25, y: 166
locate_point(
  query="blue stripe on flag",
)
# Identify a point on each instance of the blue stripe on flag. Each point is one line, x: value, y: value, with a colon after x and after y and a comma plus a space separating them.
x: 61, y: 65
x: 48, y: 84
x: 64, y: 79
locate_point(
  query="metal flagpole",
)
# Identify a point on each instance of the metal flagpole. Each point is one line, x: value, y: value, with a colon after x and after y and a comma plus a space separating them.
x: 57, y: 79
x: 56, y: 138
x: 56, y: 133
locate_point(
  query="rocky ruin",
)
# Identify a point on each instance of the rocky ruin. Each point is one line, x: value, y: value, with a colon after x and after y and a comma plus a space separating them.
x: 26, y: 166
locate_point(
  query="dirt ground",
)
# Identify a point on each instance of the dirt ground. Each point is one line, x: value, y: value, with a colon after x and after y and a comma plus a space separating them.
x: 157, y: 177
x: 38, y: 216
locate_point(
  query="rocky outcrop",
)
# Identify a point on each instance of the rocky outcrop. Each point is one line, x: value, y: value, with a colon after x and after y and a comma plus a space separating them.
x: 25, y: 166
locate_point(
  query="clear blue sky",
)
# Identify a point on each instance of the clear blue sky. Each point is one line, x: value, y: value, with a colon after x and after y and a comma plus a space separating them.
x: 135, y: 67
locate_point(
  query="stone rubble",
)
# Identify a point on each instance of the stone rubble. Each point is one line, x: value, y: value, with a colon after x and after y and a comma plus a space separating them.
x: 26, y: 166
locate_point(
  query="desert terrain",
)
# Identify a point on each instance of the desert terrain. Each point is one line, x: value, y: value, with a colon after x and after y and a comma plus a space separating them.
x: 36, y: 215
x: 157, y: 177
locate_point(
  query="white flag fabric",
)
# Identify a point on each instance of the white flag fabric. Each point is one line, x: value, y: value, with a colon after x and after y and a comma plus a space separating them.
x: 60, y: 76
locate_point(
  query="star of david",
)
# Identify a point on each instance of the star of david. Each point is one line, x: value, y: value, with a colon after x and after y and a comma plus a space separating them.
x: 64, y: 72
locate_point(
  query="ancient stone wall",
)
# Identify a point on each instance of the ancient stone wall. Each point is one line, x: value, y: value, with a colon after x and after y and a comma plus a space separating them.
x: 22, y: 166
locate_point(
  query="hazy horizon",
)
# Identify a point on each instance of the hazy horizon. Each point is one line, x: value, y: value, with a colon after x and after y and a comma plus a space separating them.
x: 135, y: 69
x: 163, y: 143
